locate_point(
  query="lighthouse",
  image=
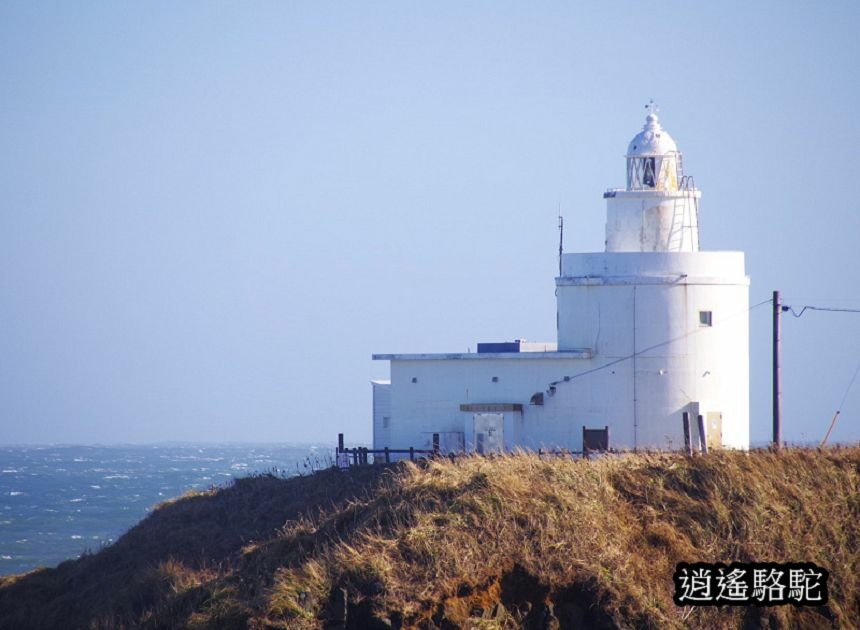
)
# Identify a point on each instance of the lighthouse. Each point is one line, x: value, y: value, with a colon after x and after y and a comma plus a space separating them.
x: 649, y: 329
x: 673, y: 316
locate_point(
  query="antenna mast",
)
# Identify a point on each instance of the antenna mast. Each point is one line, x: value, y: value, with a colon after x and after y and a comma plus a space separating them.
x: 560, y: 239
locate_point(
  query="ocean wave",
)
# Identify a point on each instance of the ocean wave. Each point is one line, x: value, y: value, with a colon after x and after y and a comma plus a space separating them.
x: 106, y: 494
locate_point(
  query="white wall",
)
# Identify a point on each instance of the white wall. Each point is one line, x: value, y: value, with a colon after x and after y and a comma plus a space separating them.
x: 617, y: 305
x: 615, y: 302
x: 648, y: 221
x: 381, y: 413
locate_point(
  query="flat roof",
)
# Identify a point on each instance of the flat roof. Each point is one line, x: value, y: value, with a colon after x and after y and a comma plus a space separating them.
x: 583, y: 353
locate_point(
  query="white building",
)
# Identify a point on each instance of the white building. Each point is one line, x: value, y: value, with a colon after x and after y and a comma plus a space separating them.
x: 648, y: 329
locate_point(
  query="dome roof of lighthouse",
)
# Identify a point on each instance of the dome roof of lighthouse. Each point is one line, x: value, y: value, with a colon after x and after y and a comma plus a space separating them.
x: 652, y: 140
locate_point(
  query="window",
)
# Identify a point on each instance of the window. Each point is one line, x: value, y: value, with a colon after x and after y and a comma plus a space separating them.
x: 705, y: 318
x: 648, y: 172
x: 385, y: 421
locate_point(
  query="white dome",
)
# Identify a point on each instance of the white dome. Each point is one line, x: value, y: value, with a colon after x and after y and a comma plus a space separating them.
x: 652, y: 140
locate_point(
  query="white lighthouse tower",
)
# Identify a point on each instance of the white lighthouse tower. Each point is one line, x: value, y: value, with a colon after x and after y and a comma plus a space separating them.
x: 657, y: 212
x: 673, y: 317
x: 648, y: 329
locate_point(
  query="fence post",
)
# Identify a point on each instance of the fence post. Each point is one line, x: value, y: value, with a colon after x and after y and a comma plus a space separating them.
x: 435, y: 444
x: 703, y: 434
x: 411, y: 453
x: 340, y: 442
x: 387, y: 456
x: 688, y: 442
x: 584, y: 444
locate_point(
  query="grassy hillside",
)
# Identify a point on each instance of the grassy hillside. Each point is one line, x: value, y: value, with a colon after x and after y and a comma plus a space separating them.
x: 506, y: 542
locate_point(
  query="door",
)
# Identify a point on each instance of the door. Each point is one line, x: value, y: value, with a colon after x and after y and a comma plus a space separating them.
x: 715, y: 429
x: 489, y: 433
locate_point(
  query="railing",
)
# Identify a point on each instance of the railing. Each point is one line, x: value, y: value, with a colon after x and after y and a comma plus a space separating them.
x: 359, y: 456
x: 593, y: 441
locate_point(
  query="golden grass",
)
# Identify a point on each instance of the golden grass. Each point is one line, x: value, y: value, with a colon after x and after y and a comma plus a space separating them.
x: 472, y: 543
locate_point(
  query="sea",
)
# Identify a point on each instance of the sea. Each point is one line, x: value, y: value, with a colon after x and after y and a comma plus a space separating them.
x: 58, y: 502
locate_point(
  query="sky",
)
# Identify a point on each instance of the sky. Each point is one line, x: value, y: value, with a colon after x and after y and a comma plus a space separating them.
x: 212, y: 214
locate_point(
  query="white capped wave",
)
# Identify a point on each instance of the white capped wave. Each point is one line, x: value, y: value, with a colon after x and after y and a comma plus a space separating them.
x: 46, y: 493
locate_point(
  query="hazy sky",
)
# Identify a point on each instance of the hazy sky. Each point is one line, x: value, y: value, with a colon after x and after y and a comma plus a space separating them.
x: 212, y: 214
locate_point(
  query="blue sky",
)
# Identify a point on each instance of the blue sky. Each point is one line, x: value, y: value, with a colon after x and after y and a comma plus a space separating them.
x: 212, y: 214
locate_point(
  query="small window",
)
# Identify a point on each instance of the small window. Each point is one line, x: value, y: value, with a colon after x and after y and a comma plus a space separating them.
x: 385, y: 422
x: 705, y: 318
x: 495, y: 379
x: 414, y: 379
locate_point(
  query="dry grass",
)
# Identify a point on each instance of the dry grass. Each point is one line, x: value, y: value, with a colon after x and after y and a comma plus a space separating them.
x: 473, y: 543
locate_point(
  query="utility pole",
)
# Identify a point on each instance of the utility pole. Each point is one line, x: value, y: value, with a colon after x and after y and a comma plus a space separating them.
x: 777, y: 377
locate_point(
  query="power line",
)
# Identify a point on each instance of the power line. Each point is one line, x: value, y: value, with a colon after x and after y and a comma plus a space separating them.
x: 853, y: 378
x: 790, y: 309
x: 839, y: 409
x: 567, y: 379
